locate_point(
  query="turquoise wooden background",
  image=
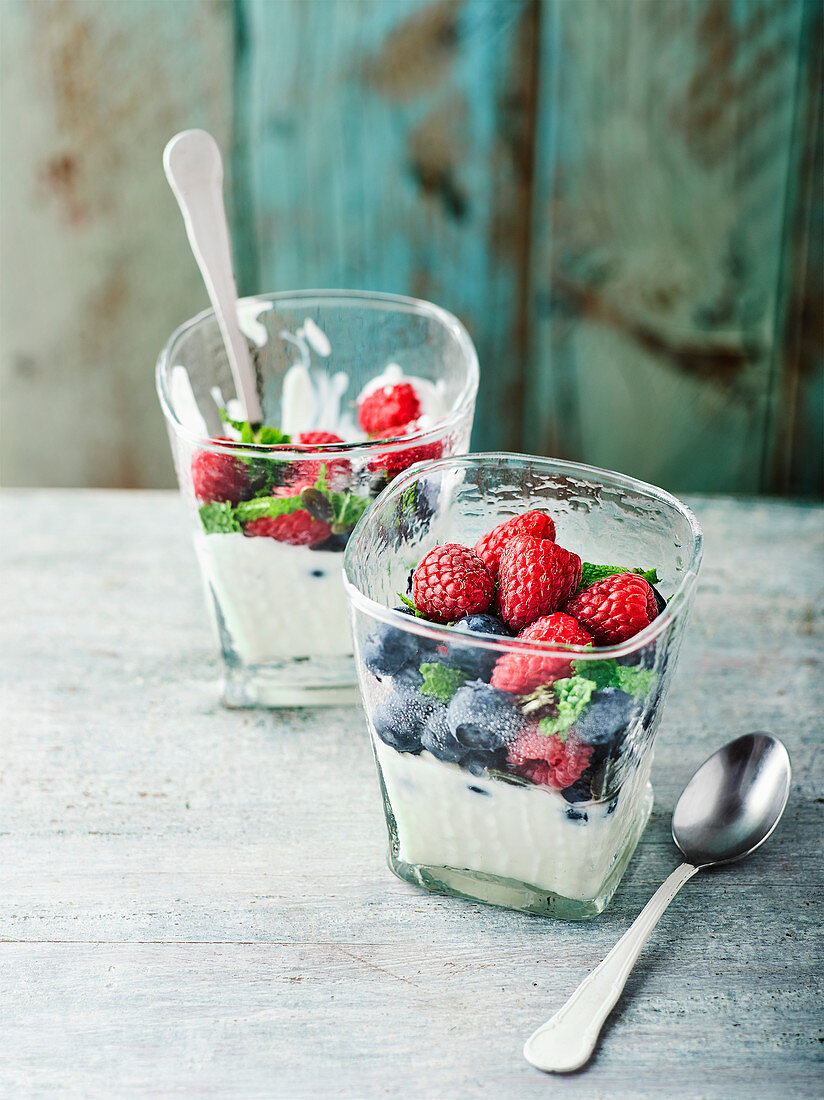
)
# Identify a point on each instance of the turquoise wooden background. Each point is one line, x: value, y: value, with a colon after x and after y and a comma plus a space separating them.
x: 620, y: 198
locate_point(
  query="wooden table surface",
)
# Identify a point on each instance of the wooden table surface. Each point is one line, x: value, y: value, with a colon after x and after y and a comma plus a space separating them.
x: 194, y: 902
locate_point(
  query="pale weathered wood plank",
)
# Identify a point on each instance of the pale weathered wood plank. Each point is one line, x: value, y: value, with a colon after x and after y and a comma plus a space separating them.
x: 96, y: 269
x: 194, y: 901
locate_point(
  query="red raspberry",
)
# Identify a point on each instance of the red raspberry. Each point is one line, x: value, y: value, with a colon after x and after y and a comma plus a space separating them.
x: 396, y: 462
x: 388, y: 407
x: 535, y: 576
x: 297, y: 528
x: 450, y: 582
x: 549, y: 760
x: 615, y: 608
x: 218, y: 477
x: 489, y: 549
x: 308, y: 471
x: 520, y: 674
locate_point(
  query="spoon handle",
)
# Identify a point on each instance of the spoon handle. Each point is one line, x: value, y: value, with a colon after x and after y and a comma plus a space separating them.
x: 194, y: 169
x: 566, y: 1041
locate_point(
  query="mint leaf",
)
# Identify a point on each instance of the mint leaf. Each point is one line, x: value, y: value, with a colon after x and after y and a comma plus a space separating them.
x: 348, y: 508
x: 573, y: 695
x: 405, y: 600
x: 269, y: 507
x: 608, y: 673
x: 591, y: 574
x: 267, y: 437
x: 218, y: 518
x: 441, y: 682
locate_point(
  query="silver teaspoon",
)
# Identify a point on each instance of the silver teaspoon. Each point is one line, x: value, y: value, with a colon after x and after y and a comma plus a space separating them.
x: 727, y: 810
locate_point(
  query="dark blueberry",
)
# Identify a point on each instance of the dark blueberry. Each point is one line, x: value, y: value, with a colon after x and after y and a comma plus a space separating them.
x: 577, y: 815
x: 643, y: 658
x: 399, y: 721
x: 604, y: 721
x: 318, y: 573
x: 581, y: 789
x: 438, y: 738
x: 659, y: 599
x: 478, y: 663
x: 377, y: 484
x: 388, y: 649
x: 482, y: 720
x: 335, y: 543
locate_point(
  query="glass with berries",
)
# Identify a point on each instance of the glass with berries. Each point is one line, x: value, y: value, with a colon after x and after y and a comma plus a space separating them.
x: 516, y: 623
x: 354, y: 388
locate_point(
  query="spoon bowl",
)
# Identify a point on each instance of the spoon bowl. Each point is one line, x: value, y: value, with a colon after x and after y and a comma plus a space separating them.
x: 727, y: 810
x: 734, y: 801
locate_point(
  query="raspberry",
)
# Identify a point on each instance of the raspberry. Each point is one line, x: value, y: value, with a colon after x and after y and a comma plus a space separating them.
x: 297, y: 528
x: 308, y: 471
x: 218, y: 477
x: 450, y: 582
x: 489, y: 549
x: 395, y: 462
x: 535, y: 576
x: 520, y: 674
x: 549, y: 761
x: 615, y: 608
x: 388, y: 407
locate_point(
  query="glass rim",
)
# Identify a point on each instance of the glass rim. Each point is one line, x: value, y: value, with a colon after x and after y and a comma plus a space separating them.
x: 402, y: 303
x: 676, y: 605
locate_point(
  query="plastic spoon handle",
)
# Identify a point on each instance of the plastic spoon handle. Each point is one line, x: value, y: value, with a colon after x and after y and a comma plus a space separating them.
x: 566, y: 1042
x: 194, y: 170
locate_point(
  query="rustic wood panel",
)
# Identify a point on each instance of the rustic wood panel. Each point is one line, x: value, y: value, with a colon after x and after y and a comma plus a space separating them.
x: 194, y: 902
x: 96, y: 269
x: 390, y: 148
x: 665, y: 150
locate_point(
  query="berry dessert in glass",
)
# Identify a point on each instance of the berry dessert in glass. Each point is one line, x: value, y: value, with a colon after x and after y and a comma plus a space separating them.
x: 516, y: 623
x: 354, y: 388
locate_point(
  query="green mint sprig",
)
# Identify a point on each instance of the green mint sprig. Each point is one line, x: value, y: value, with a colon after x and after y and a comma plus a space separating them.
x: 218, y: 518
x: 591, y: 574
x: 573, y: 695
x: 260, y: 434
x: 441, y: 682
x: 608, y: 673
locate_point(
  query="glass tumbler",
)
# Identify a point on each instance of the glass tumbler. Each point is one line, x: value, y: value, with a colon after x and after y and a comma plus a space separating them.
x: 532, y: 800
x: 271, y: 518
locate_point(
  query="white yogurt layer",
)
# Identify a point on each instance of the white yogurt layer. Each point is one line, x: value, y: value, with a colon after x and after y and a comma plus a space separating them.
x: 277, y: 601
x: 447, y: 817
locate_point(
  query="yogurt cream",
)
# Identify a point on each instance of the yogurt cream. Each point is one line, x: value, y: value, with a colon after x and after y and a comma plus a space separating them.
x: 277, y: 602
x: 448, y: 818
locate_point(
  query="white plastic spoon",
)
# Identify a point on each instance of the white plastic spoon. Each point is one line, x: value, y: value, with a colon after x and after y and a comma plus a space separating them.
x: 194, y: 170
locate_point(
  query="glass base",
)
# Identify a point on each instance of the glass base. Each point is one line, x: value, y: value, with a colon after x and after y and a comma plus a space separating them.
x: 478, y: 886
x: 303, y: 683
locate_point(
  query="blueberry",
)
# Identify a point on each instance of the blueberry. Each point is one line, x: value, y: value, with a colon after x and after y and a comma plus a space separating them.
x: 437, y: 738
x: 335, y: 543
x: 604, y: 722
x: 482, y: 719
x: 399, y: 721
x: 477, y: 663
x: 577, y: 815
x: 388, y: 650
x: 317, y: 573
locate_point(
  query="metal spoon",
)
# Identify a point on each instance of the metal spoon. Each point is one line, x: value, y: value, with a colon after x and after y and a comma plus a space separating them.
x: 727, y: 810
x: 194, y: 169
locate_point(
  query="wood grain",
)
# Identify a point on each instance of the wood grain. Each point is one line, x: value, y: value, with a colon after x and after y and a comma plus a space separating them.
x: 194, y: 902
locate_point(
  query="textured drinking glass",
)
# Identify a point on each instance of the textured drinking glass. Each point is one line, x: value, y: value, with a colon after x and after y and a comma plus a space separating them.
x: 461, y: 819
x: 279, y: 610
